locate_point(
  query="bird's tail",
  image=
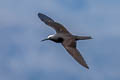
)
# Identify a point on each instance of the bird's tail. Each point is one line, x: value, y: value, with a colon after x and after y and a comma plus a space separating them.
x: 83, y: 37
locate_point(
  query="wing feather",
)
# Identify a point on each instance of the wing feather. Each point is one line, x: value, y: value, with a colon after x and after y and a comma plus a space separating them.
x: 58, y: 27
x: 70, y: 46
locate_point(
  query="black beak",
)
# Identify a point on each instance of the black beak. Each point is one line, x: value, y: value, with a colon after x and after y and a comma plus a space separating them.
x: 45, y: 39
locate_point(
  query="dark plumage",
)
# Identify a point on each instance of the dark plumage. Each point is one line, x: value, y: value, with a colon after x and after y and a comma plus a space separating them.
x: 64, y: 37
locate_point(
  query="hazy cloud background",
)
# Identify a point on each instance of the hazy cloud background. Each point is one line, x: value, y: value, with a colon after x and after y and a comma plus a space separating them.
x: 24, y: 57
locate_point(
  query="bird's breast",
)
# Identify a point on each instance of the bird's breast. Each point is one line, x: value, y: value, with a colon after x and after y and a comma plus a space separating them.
x: 58, y: 40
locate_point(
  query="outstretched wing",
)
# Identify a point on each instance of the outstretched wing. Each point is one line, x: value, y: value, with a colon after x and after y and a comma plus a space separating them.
x: 58, y: 27
x: 70, y: 46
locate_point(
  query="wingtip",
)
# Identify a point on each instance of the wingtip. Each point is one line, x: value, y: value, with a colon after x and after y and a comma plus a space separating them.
x: 40, y: 14
x: 44, y: 18
x: 87, y: 67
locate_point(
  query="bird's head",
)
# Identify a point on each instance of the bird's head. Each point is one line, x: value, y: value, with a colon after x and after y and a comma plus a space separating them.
x: 50, y: 37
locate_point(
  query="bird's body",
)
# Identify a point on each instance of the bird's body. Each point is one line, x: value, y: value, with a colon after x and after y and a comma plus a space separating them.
x: 64, y: 37
x: 59, y: 38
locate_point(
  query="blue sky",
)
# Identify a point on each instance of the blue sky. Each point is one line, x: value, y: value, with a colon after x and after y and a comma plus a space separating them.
x: 24, y: 57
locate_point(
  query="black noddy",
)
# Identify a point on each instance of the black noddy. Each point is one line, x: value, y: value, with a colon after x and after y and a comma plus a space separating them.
x: 64, y: 37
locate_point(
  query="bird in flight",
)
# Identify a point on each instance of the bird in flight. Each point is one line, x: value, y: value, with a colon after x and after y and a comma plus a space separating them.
x: 64, y: 37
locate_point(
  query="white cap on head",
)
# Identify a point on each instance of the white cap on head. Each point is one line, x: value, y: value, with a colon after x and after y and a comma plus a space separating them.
x: 50, y: 36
